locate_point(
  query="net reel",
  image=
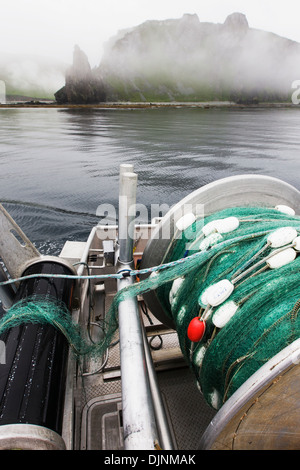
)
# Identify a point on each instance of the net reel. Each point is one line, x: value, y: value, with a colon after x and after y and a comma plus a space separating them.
x: 240, y: 422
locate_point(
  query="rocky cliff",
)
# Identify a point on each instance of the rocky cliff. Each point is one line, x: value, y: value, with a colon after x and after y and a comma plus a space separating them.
x: 189, y: 60
x: 82, y: 86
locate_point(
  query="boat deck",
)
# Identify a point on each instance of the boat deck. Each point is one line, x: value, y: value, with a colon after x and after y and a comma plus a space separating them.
x: 96, y: 393
x: 101, y: 402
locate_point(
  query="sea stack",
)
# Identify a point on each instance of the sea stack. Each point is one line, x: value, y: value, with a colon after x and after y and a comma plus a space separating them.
x: 82, y: 86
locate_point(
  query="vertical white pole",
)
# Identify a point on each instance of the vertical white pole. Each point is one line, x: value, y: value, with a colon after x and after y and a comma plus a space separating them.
x: 127, y: 206
x: 139, y: 424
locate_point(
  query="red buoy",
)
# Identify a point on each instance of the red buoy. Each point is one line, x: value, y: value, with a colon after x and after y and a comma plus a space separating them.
x: 196, y: 329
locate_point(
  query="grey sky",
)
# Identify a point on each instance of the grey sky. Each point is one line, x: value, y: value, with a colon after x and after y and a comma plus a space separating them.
x: 52, y: 27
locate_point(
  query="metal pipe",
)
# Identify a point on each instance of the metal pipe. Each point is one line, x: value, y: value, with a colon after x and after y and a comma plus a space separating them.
x: 126, y: 168
x: 7, y: 293
x: 127, y: 206
x: 165, y: 436
x: 139, y: 424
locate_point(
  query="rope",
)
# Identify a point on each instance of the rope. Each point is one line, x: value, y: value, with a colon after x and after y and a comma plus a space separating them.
x: 257, y: 319
x: 251, y: 317
x: 120, y: 275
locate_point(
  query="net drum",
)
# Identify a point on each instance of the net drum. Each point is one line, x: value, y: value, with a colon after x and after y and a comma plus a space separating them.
x: 258, y: 409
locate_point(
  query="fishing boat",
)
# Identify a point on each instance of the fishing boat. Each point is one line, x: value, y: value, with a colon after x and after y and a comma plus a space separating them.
x: 140, y: 392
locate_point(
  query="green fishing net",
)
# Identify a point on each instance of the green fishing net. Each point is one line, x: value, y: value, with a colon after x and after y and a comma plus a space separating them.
x: 267, y: 316
x: 37, y: 310
x: 267, y: 301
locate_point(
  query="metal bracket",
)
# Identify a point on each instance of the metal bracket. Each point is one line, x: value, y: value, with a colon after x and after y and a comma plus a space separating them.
x: 15, y: 248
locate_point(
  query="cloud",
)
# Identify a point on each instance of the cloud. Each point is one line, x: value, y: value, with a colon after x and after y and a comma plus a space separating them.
x: 52, y: 27
x: 186, y: 58
x: 32, y: 75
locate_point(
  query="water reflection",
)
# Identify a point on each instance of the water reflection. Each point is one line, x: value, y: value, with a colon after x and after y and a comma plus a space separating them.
x: 68, y: 159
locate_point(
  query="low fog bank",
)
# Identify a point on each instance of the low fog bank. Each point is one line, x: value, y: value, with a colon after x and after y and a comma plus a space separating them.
x: 31, y: 76
x: 172, y: 60
x: 186, y: 59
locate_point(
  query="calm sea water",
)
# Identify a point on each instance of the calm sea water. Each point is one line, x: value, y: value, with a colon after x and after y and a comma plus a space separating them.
x: 58, y: 165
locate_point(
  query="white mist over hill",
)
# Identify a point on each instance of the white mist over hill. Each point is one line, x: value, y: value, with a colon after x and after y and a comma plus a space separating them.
x: 181, y: 59
x: 192, y: 60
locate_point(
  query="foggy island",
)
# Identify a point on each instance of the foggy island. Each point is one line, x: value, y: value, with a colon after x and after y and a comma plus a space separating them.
x: 176, y: 60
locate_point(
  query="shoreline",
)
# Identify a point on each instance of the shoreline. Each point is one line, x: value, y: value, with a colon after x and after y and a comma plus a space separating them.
x: 142, y: 105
